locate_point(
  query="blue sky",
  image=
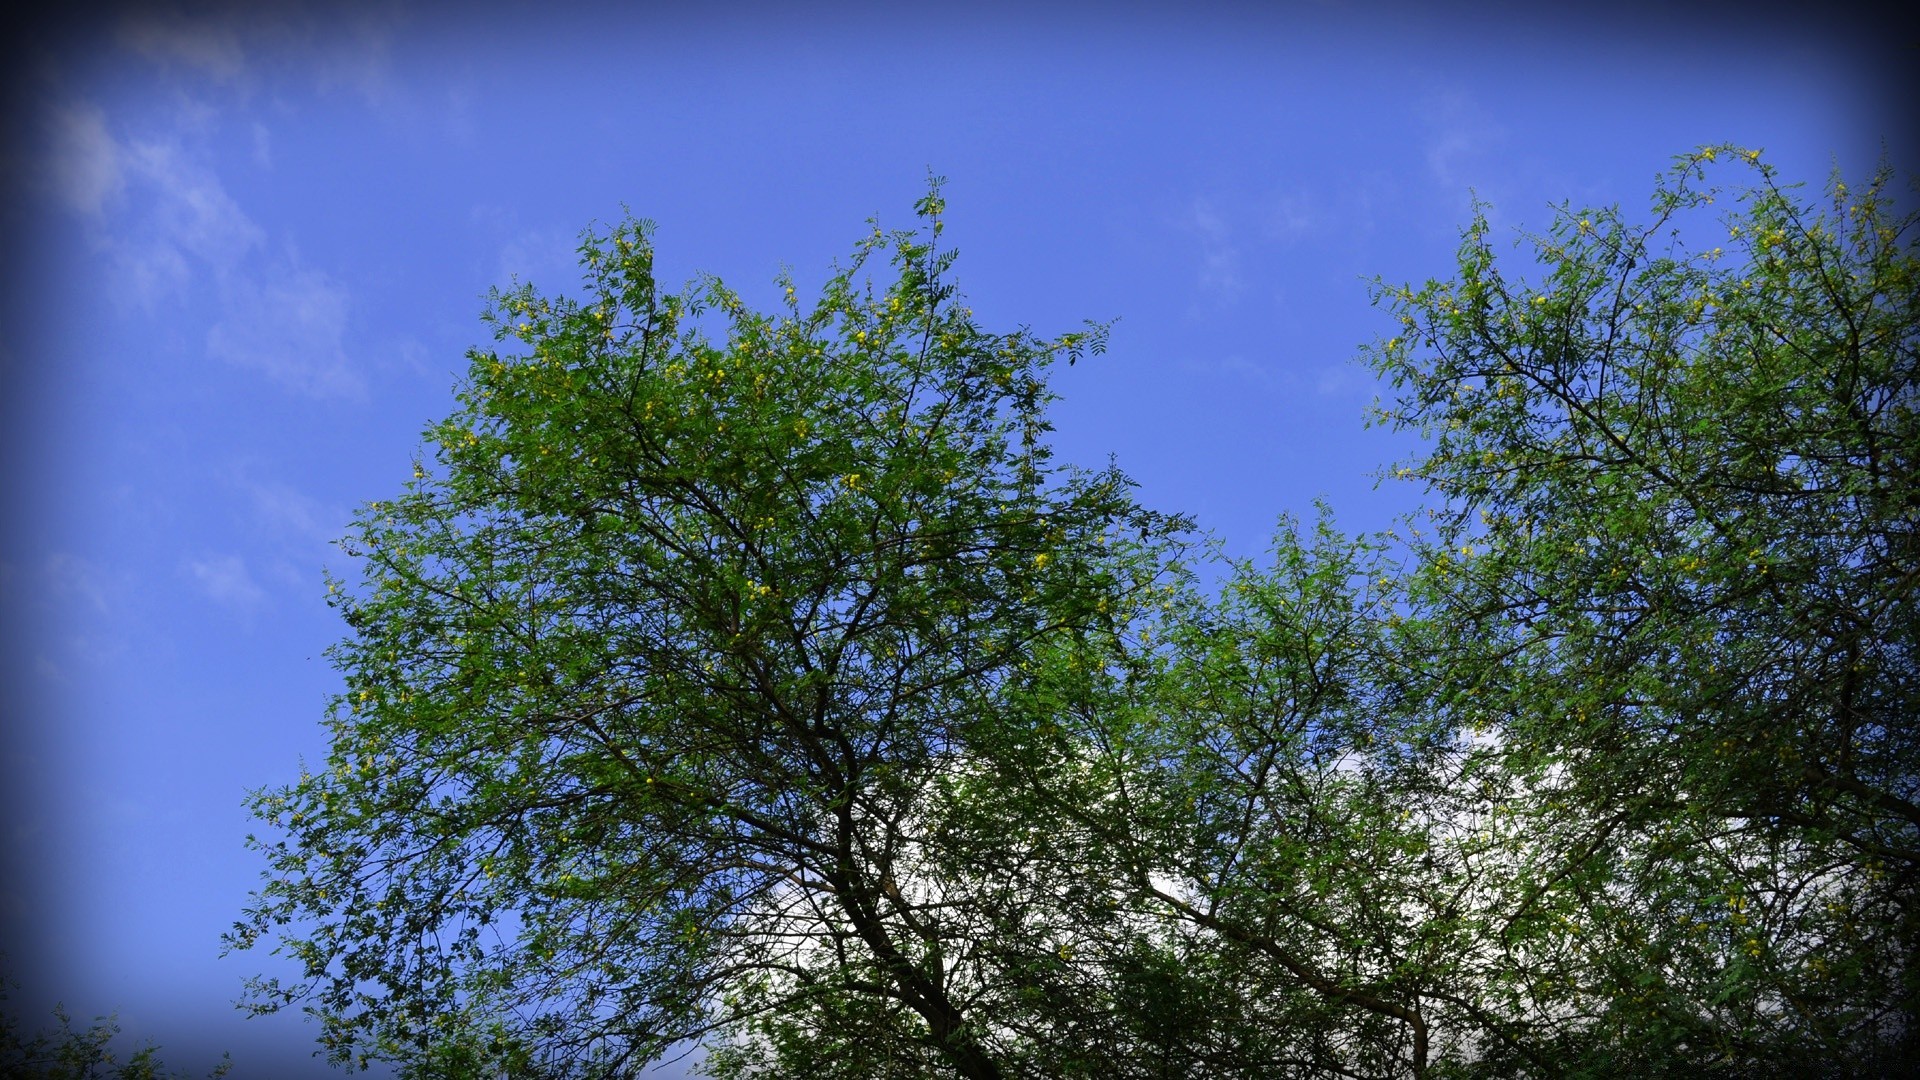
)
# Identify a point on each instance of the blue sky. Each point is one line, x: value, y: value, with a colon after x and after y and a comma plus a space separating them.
x: 248, y: 248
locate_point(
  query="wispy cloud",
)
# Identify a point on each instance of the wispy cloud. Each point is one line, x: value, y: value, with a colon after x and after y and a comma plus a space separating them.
x: 358, y: 56
x: 78, y: 606
x: 298, y: 534
x: 190, y: 209
x: 1461, y: 133
x: 1348, y: 378
x: 1292, y: 215
x: 65, y: 575
x: 262, y: 145
x: 226, y: 581
x: 290, y: 513
x: 235, y: 48
x: 82, y: 169
x: 291, y: 324
x: 1219, y: 254
x: 167, y: 224
x: 1236, y: 368
x: 172, y: 38
x: 543, y: 256
x: 1333, y: 380
x: 157, y: 210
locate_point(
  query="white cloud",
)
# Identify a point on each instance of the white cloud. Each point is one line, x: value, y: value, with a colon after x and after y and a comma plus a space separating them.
x: 169, y: 38
x: 1292, y: 215
x: 177, y: 225
x: 78, y: 609
x: 192, y: 210
x: 277, y: 317
x: 239, y: 48
x: 540, y: 258
x: 1335, y: 380
x: 226, y: 581
x: 159, y: 213
x: 262, y: 145
x: 290, y: 326
x: 83, y: 167
x: 357, y: 55
x: 413, y: 356
x: 1345, y: 379
x: 547, y: 257
x: 288, y: 511
x: 1219, y: 255
x: 1462, y: 132
x: 1237, y: 367
x: 68, y: 575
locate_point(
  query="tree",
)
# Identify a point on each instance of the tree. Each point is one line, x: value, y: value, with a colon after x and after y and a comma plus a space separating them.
x: 661, y: 668
x: 1607, y: 765
x: 781, y: 692
x: 67, y: 1054
x: 1675, y: 552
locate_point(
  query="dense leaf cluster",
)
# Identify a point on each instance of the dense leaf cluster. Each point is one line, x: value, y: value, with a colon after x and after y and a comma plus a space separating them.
x: 759, y: 679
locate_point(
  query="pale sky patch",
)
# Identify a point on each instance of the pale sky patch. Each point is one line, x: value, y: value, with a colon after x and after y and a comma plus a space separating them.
x: 1237, y: 367
x: 67, y: 575
x: 1462, y: 135
x: 1343, y: 379
x: 226, y: 581
x: 411, y: 355
x: 262, y: 145
x: 1292, y: 215
x: 1219, y: 255
x: 291, y: 327
x: 548, y: 258
x: 288, y: 511
x: 47, y: 669
x: 306, y: 529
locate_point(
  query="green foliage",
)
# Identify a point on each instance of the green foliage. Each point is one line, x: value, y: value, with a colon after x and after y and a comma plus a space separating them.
x: 1676, y: 555
x: 68, y: 1054
x: 759, y: 679
x: 657, y: 668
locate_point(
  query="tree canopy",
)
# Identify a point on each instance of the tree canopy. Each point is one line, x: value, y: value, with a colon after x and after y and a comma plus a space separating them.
x: 760, y: 679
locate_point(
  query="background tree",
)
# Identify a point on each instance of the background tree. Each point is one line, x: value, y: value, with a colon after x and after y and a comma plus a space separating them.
x: 1676, y: 552
x: 64, y: 1053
